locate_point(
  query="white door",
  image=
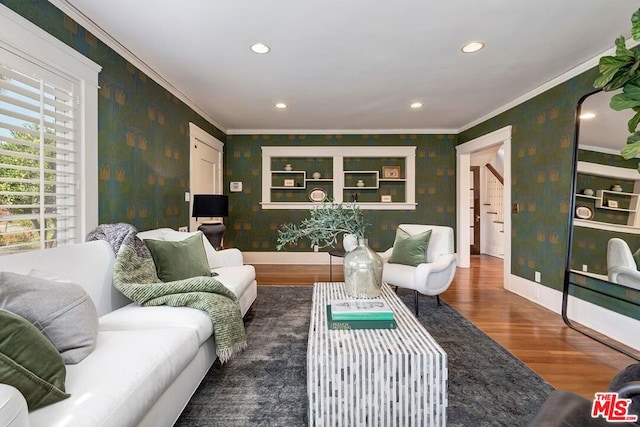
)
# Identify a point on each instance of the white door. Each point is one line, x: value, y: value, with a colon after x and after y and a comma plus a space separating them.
x: 205, y: 167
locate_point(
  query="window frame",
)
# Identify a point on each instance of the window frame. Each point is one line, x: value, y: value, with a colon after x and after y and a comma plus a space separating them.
x: 29, y: 42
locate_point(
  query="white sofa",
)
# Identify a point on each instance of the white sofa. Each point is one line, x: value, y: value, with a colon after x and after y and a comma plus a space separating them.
x: 621, y: 267
x: 148, y: 361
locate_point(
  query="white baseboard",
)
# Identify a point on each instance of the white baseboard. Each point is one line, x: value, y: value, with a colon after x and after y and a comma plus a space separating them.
x: 616, y: 326
x: 321, y: 258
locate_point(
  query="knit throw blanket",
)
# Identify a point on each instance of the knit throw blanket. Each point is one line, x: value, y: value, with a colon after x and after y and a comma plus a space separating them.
x: 134, y: 274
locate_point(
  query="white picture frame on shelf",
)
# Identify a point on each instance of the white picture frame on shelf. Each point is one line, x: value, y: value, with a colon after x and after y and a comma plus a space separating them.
x: 385, y: 198
x: 289, y: 183
x: 612, y: 203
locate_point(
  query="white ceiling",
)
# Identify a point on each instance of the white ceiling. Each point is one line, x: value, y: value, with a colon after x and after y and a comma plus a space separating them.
x: 357, y: 64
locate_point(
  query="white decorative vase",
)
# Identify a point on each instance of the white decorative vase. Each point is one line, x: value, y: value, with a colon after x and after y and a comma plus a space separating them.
x: 288, y: 167
x: 362, y: 272
x: 316, y: 175
x: 349, y: 242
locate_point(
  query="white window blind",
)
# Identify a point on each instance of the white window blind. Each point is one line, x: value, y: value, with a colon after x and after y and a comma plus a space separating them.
x: 39, y: 167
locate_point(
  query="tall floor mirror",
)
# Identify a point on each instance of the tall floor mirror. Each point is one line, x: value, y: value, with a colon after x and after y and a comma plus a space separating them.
x: 605, y: 225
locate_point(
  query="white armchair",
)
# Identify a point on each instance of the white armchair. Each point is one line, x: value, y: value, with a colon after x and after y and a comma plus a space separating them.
x: 621, y: 267
x: 432, y: 277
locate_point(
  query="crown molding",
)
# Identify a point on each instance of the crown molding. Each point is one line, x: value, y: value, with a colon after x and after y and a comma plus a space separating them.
x: 575, y: 71
x: 107, y: 39
x: 89, y: 25
x: 341, y: 131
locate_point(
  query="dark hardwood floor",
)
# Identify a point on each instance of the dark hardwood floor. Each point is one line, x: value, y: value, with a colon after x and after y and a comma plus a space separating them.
x: 565, y: 358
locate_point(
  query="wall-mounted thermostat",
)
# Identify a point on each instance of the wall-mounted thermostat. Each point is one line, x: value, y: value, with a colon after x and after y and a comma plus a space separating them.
x: 235, y: 186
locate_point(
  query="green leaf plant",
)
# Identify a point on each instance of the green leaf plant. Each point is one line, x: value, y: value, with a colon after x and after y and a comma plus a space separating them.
x: 325, y: 223
x: 621, y: 72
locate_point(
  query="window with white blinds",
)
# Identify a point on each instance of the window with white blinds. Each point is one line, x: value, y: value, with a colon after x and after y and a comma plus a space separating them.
x: 38, y: 158
x: 48, y: 139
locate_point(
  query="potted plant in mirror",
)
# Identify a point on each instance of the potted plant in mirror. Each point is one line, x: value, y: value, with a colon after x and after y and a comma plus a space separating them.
x: 327, y: 222
x: 622, y: 71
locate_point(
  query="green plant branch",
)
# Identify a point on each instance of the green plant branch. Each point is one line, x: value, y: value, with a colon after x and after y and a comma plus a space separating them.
x: 324, y: 225
x: 622, y: 71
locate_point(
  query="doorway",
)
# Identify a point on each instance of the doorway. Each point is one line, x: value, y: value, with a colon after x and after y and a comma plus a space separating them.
x: 475, y: 226
x: 205, y: 167
x: 463, y: 181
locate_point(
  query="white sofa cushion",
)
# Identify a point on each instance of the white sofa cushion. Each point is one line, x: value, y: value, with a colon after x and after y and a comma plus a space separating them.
x: 121, y: 379
x: 237, y: 279
x: 135, y: 317
x: 13, y: 407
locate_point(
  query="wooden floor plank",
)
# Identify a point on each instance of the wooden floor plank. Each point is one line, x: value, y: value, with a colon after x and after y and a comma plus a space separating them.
x: 565, y: 358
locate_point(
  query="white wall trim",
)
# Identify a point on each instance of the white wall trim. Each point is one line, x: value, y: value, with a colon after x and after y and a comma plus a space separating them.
x: 110, y: 41
x: 463, y: 220
x: 317, y: 258
x: 575, y: 71
x: 198, y: 135
x: 26, y: 40
x: 618, y: 327
x: 340, y: 131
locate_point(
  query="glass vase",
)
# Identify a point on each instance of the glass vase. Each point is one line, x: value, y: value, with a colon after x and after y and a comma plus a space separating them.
x: 362, y: 272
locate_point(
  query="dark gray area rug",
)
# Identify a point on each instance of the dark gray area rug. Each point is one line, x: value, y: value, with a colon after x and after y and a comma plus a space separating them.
x: 266, y: 384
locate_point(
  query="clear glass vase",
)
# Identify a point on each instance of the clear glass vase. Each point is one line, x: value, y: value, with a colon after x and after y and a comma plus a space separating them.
x: 362, y: 272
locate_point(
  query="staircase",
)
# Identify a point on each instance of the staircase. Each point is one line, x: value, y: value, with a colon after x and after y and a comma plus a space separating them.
x: 494, y: 202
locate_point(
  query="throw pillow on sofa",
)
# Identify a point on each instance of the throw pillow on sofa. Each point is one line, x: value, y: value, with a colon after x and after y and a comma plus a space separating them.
x: 30, y: 363
x: 62, y: 311
x: 408, y: 249
x: 179, y: 260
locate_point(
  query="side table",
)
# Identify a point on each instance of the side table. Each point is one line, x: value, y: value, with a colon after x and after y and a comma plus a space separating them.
x: 337, y: 253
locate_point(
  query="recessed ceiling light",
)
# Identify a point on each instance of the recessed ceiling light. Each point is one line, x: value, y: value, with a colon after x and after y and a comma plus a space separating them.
x: 260, y: 48
x: 472, y: 47
x: 416, y: 105
x: 587, y: 116
x: 281, y: 105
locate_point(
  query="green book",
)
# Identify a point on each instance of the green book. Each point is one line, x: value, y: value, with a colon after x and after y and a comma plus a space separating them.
x: 334, y: 324
x: 361, y: 309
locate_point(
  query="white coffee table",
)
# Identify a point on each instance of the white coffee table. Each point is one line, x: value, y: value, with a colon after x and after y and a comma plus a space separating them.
x: 384, y: 377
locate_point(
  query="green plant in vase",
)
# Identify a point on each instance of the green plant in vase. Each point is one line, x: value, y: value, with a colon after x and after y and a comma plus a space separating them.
x: 362, y: 266
x: 324, y: 225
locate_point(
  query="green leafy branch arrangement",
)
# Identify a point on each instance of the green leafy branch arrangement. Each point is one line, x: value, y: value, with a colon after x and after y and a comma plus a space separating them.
x: 325, y: 223
x: 621, y: 71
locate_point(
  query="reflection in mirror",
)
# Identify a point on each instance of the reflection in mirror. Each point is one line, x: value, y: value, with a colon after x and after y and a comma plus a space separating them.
x: 605, y: 233
x: 607, y: 199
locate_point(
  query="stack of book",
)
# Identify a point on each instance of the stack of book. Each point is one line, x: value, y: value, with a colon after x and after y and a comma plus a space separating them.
x: 348, y: 314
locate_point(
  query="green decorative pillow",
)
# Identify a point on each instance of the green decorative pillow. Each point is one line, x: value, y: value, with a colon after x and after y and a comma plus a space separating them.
x: 179, y: 260
x: 408, y: 249
x: 62, y: 311
x: 30, y: 363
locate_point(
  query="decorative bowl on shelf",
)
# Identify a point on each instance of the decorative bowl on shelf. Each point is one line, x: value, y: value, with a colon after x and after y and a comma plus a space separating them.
x: 316, y: 175
x: 617, y: 188
x: 584, y: 212
x: 288, y: 167
x: 588, y: 192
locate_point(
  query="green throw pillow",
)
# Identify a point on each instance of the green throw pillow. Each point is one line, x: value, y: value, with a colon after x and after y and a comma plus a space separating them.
x: 62, y: 311
x: 179, y: 260
x: 29, y: 362
x: 408, y: 249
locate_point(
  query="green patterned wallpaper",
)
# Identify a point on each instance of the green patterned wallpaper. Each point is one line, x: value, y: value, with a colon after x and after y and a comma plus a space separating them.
x: 143, y: 130
x: 589, y: 246
x: 541, y: 157
x: 252, y: 229
x: 143, y: 160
